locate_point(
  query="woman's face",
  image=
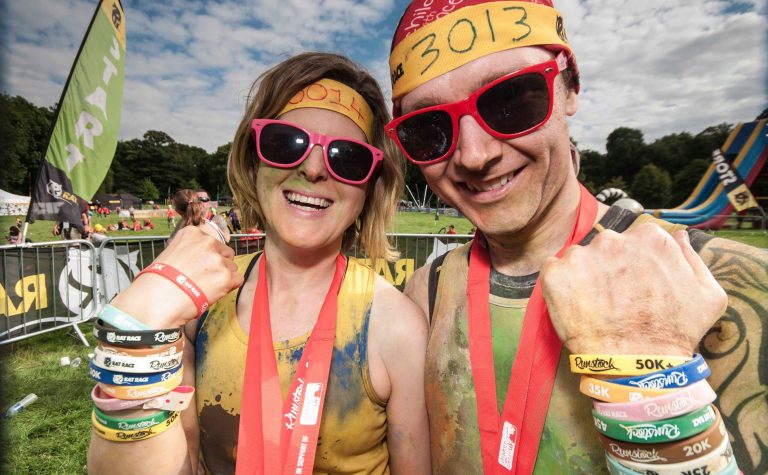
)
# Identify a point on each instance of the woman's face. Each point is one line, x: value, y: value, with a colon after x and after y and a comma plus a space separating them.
x: 305, y: 207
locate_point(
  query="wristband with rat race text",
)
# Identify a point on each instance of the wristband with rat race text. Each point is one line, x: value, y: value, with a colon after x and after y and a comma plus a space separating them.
x: 665, y: 430
x: 713, y: 462
x: 678, y: 403
x: 182, y: 281
x: 135, y: 364
x: 155, y: 351
x: 177, y: 400
x: 132, y: 435
x: 671, y: 452
x: 674, y: 377
x: 623, y: 365
x: 138, y: 423
x: 145, y: 391
x: 106, y: 376
x: 136, y: 337
x: 610, y: 392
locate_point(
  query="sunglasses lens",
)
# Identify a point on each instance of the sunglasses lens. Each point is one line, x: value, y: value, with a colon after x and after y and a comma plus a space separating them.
x: 515, y: 105
x: 426, y: 137
x: 282, y: 144
x: 349, y: 160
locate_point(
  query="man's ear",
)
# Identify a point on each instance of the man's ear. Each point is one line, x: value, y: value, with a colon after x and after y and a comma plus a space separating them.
x: 571, y: 102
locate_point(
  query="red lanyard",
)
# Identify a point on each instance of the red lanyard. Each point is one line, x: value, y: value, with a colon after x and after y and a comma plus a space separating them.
x: 510, y: 442
x: 276, y: 436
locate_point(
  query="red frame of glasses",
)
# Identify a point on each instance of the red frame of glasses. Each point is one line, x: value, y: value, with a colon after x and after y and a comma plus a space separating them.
x: 468, y: 106
x: 315, y: 139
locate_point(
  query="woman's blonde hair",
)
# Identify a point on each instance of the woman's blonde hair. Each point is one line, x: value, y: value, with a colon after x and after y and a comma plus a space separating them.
x: 269, y: 94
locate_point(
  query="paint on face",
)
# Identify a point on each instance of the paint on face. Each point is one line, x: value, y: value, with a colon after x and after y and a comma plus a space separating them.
x: 501, y: 186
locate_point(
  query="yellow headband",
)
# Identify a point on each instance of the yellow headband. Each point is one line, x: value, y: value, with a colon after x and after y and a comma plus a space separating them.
x: 470, y: 33
x: 337, y: 97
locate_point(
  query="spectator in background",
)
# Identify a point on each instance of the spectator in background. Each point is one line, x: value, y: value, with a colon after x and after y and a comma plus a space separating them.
x: 14, y: 235
x: 148, y: 224
x: 451, y: 229
x: 170, y: 215
x: 122, y: 225
x: 194, y: 209
x: 234, y: 219
x: 136, y: 225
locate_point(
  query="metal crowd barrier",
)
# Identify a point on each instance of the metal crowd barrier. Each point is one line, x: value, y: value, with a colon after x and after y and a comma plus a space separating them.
x: 46, y: 286
x: 53, y: 285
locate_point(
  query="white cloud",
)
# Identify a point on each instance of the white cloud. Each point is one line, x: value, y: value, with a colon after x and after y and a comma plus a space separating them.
x: 656, y: 65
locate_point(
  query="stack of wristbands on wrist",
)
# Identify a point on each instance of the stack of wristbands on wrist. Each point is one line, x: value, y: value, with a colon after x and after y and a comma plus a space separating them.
x: 136, y: 367
x: 657, y: 416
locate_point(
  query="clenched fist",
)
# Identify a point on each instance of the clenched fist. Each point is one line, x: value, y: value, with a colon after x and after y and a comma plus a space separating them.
x: 159, y: 303
x: 641, y: 292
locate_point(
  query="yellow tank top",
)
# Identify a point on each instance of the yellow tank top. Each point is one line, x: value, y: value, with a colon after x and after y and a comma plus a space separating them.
x: 353, y: 431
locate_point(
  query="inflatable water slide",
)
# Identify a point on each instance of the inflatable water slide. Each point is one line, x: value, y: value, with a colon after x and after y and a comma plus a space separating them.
x: 708, y: 206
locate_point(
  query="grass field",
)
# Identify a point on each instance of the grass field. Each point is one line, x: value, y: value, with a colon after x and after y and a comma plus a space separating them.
x: 51, y: 436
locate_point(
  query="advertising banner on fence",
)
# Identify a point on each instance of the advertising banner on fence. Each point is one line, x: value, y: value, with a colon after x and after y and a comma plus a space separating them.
x: 84, y: 135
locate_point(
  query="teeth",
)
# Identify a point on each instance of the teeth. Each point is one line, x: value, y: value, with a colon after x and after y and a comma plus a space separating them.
x: 309, y: 200
x: 490, y: 187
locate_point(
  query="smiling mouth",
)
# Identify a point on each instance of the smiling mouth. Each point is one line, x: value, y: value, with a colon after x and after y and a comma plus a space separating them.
x: 306, y: 203
x: 492, y: 185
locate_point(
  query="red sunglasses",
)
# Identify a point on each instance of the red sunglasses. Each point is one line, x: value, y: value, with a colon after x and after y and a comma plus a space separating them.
x: 282, y: 144
x: 508, y: 107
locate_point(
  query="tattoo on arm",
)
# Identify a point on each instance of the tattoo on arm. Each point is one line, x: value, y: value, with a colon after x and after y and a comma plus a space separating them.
x: 737, y: 349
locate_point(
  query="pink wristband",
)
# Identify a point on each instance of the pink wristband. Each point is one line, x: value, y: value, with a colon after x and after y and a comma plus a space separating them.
x: 680, y: 402
x: 176, y: 400
x: 182, y: 281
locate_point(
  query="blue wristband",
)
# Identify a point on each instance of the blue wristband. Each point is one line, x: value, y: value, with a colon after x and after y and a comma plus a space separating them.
x: 120, y: 320
x: 119, y: 379
x: 675, y: 377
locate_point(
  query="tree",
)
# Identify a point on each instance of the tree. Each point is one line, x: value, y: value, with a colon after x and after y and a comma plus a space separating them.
x: 651, y: 187
x: 592, y: 169
x: 24, y: 130
x: 626, y: 152
x: 687, y: 178
x: 147, y: 190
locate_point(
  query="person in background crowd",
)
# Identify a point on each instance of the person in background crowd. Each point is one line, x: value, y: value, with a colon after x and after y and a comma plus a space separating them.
x: 170, y: 216
x: 482, y: 91
x: 193, y: 207
x: 136, y: 226
x: 148, y: 224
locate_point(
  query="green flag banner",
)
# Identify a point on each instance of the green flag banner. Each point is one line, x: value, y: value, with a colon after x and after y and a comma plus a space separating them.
x: 84, y: 134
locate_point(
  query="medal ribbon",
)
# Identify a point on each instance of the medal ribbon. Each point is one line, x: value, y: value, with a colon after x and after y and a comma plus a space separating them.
x: 276, y: 436
x: 510, y: 442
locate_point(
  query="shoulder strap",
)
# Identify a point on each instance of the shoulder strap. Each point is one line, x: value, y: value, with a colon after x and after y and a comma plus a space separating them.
x: 433, y: 279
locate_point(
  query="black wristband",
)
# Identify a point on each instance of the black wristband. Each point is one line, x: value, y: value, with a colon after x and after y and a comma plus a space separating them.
x: 106, y: 334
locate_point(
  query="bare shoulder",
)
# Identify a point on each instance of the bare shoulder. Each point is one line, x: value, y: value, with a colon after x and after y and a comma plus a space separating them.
x: 417, y: 288
x: 398, y: 310
x: 736, y: 348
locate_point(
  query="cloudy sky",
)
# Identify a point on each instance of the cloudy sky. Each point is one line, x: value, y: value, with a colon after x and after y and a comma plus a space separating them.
x: 657, y: 65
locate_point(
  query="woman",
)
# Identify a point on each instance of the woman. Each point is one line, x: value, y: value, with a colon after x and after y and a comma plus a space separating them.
x: 314, y: 201
x: 193, y: 211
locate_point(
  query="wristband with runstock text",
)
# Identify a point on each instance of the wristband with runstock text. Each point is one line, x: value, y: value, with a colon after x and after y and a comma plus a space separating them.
x: 623, y: 365
x: 665, y: 430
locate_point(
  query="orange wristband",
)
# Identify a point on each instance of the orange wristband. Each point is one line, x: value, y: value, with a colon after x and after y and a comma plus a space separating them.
x: 612, y: 392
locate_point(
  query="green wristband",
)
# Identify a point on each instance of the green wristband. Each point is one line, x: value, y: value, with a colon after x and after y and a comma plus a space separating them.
x: 666, y: 430
x: 131, y: 424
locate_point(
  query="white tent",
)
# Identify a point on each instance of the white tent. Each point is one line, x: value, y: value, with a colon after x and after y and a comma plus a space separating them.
x: 13, y: 205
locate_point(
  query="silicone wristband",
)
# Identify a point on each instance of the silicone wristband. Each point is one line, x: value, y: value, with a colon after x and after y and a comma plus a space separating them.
x: 162, y: 350
x: 623, y: 365
x: 713, y: 462
x: 666, y: 430
x: 134, y: 338
x: 143, y: 392
x: 120, y: 320
x: 675, y: 377
x: 610, y: 392
x: 106, y: 376
x: 131, y: 424
x: 134, y: 364
x: 678, y: 403
x: 182, y: 281
x: 671, y: 452
x: 177, y: 400
x: 132, y: 435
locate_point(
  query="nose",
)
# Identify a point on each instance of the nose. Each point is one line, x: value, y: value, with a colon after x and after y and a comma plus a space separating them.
x: 476, y: 149
x: 313, y: 167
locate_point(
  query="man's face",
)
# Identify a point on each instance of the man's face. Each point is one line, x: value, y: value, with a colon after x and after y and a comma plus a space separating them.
x: 500, y: 185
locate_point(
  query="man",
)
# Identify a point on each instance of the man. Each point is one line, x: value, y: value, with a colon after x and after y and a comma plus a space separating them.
x: 481, y: 93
